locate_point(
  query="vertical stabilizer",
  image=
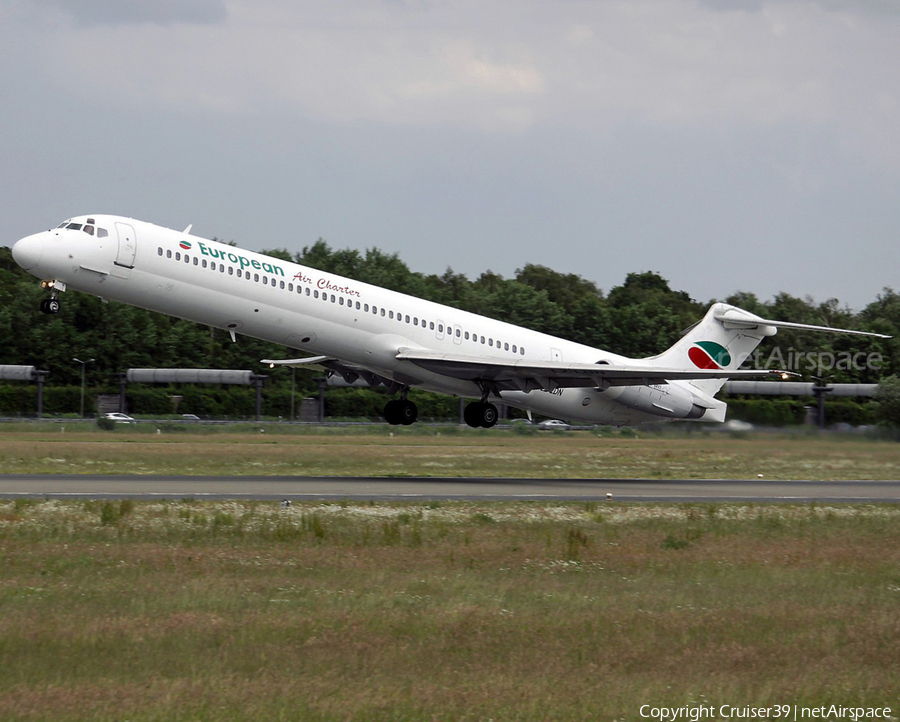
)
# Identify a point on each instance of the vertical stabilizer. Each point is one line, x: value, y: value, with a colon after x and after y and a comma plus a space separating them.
x: 715, y: 343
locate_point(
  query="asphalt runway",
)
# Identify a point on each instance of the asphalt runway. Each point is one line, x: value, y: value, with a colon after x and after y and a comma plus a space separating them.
x: 386, y: 489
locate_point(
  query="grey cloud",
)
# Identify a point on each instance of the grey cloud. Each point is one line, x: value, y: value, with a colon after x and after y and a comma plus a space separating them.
x: 137, y: 12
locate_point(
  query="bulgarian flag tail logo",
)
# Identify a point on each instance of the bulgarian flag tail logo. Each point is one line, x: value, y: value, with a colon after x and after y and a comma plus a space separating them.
x: 709, y: 355
x: 185, y: 245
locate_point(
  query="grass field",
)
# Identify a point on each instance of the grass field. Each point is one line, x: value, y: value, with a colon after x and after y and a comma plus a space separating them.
x: 508, y: 611
x: 442, y: 451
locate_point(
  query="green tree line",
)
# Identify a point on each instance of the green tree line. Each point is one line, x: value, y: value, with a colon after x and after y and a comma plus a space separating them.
x: 638, y: 318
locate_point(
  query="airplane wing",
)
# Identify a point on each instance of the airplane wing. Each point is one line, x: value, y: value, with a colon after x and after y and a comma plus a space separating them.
x: 331, y: 365
x: 549, y: 375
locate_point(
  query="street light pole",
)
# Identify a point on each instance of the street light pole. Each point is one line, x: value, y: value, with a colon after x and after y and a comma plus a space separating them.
x: 83, y: 364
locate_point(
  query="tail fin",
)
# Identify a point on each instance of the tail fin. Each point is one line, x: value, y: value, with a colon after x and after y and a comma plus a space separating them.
x: 722, y: 339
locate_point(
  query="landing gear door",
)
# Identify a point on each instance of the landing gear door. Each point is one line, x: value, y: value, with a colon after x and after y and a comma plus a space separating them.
x: 127, y: 245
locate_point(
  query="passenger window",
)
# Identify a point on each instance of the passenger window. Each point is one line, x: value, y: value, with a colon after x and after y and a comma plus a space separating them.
x: 212, y: 265
x: 522, y: 351
x: 290, y: 286
x: 382, y: 312
x: 332, y: 298
x: 177, y: 256
x: 282, y: 285
x: 315, y: 294
x: 467, y: 335
x: 342, y: 301
x: 102, y: 233
x: 431, y: 325
x: 196, y: 261
x: 204, y: 263
x: 256, y: 278
x: 407, y: 319
x: 491, y: 342
x: 457, y: 333
x: 230, y: 271
x: 440, y: 328
x: 169, y: 253
x: 514, y: 349
x: 187, y: 258
x: 482, y: 339
x: 159, y: 251
x: 390, y: 314
x: 357, y: 306
x: 506, y: 347
x: 366, y: 307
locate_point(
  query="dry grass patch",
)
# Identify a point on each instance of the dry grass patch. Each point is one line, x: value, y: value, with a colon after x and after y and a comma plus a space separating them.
x: 454, y: 453
x: 209, y: 611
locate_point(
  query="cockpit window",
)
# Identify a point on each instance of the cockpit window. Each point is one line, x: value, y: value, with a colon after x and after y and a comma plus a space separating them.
x: 63, y: 224
x: 89, y: 230
x: 74, y: 226
x: 102, y: 233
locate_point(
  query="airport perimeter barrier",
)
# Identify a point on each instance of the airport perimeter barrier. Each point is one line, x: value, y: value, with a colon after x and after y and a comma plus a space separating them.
x: 192, y: 376
x: 11, y: 372
x: 799, y: 388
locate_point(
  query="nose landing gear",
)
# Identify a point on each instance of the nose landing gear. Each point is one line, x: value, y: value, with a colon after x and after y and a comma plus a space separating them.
x: 51, y: 305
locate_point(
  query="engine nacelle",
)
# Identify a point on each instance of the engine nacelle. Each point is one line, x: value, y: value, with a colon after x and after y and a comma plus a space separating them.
x: 665, y: 400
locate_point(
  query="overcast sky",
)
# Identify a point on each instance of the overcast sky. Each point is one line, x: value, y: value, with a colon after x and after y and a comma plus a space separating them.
x: 747, y: 145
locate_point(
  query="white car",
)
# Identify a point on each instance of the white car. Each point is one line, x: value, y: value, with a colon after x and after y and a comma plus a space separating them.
x: 551, y: 424
x: 120, y: 418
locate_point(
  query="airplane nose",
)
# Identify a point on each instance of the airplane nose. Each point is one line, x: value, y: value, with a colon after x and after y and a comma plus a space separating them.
x: 27, y: 251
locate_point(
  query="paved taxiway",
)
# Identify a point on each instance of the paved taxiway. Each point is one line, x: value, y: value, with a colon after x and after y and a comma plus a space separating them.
x: 365, y: 488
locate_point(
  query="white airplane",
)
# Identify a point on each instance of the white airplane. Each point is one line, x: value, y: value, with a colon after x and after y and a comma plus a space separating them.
x: 386, y: 338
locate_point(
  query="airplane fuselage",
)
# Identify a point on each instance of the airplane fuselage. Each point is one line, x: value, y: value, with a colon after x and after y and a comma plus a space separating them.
x: 358, y: 329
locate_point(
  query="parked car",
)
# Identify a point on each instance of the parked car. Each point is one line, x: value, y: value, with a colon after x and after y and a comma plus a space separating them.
x: 119, y: 418
x: 551, y: 424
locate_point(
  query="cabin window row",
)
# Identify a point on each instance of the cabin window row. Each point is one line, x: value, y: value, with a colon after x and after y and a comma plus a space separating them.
x: 375, y: 310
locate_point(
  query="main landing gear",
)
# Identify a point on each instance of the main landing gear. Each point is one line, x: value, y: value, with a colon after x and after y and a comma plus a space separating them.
x: 401, y: 411
x: 481, y: 414
x: 477, y: 414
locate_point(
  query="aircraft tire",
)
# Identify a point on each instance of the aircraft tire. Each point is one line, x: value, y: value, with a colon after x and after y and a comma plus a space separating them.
x: 408, y: 412
x: 392, y: 412
x: 471, y: 414
x: 489, y: 415
x: 481, y: 415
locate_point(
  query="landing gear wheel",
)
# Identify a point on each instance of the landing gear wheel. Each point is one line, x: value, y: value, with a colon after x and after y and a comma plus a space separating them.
x: 392, y: 412
x: 400, y: 411
x: 480, y: 414
x: 50, y: 305
x: 489, y: 415
x: 409, y: 412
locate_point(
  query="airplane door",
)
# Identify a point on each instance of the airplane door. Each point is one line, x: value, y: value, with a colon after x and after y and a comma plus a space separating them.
x: 457, y: 334
x: 127, y: 245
